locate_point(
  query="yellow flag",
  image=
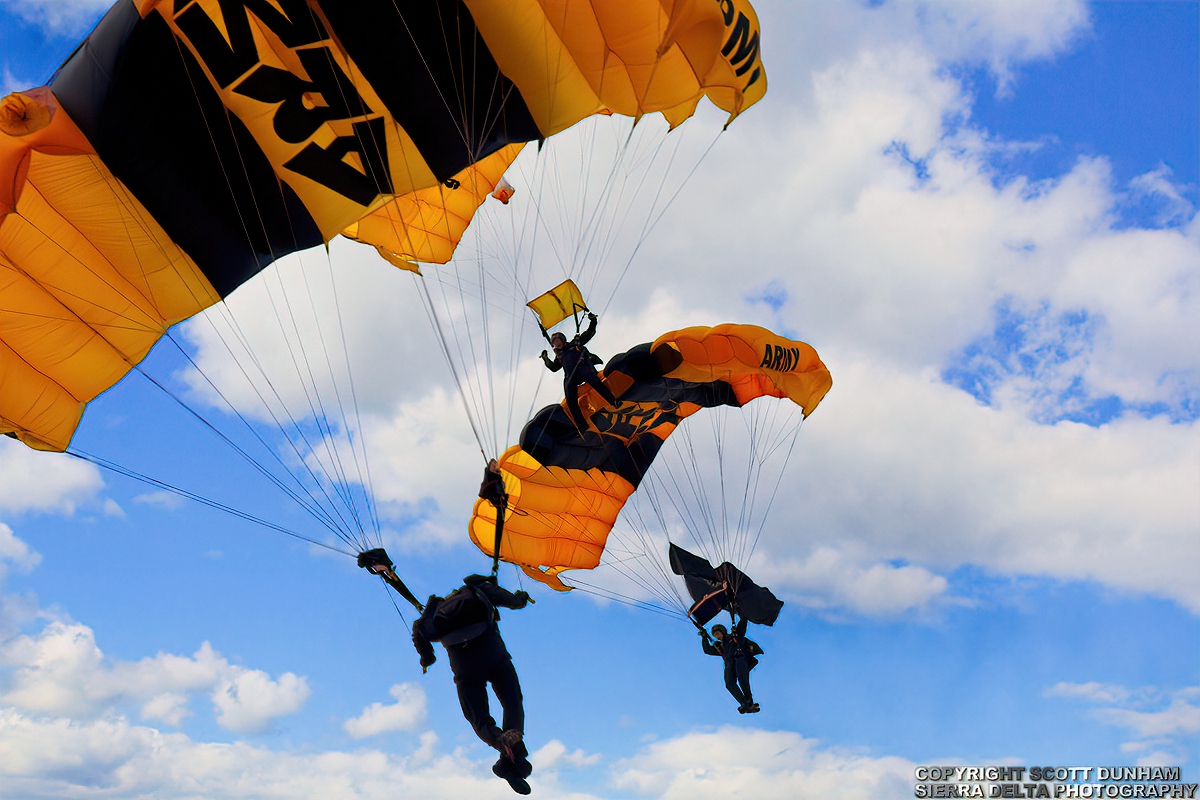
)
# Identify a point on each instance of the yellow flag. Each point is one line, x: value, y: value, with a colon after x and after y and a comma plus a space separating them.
x: 557, y: 304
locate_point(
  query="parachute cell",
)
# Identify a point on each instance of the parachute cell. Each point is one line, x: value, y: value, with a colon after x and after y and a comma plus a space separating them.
x: 566, y: 487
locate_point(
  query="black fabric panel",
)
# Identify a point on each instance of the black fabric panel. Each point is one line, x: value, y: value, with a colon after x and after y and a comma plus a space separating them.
x: 149, y: 111
x: 619, y: 447
x: 552, y: 439
x: 431, y: 68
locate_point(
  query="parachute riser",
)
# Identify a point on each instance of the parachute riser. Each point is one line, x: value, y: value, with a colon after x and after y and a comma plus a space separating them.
x: 377, y: 562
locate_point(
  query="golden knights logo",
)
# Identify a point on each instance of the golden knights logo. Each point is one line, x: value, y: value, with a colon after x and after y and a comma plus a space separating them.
x: 633, y: 420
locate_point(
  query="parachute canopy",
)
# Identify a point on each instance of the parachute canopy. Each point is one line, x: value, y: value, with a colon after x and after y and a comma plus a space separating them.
x: 183, y: 147
x: 721, y: 588
x: 566, y: 487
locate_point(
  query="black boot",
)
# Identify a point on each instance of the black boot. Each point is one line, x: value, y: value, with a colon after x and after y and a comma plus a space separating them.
x: 506, y: 769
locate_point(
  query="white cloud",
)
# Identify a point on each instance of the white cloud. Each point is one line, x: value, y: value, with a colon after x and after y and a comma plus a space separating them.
x: 249, y: 700
x: 112, y: 757
x: 555, y: 755
x: 898, y: 466
x: 999, y: 33
x: 828, y: 577
x: 58, y: 17
x: 15, y: 552
x: 405, y: 714
x: 61, y: 670
x: 1157, y: 187
x: 45, y: 482
x: 1163, y: 723
x: 169, y: 708
x: 1180, y: 718
x: 746, y: 762
x: 168, y: 501
x: 1097, y: 692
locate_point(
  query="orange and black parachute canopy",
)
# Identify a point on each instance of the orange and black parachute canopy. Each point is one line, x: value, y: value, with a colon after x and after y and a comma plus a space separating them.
x: 566, y: 487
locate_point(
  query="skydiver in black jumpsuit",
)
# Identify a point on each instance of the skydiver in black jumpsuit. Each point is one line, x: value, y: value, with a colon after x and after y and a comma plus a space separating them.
x: 578, y: 367
x: 739, y: 654
x: 492, y: 490
x: 465, y: 623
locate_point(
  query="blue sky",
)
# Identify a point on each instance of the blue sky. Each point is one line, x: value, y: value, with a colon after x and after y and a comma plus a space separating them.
x: 982, y: 215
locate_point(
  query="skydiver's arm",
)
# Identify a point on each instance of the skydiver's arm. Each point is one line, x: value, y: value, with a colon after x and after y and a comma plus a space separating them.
x: 740, y: 628
x: 553, y: 366
x: 420, y: 641
x: 708, y: 646
x: 503, y: 597
x: 587, y: 335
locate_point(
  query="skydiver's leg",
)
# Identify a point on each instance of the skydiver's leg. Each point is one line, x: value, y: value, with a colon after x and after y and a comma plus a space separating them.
x: 472, y: 696
x: 731, y: 683
x: 742, y: 671
x: 507, y: 687
x: 572, y: 393
x: 508, y: 691
x: 594, y: 381
x: 499, y: 535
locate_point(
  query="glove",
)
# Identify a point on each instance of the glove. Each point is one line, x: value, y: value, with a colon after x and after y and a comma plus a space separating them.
x: 545, y: 356
x: 591, y: 317
x: 427, y: 663
x: 523, y: 595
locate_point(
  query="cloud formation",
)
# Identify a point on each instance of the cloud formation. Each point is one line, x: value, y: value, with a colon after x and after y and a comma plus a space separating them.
x: 1163, y: 724
x: 406, y: 714
x: 102, y: 758
x: 61, y: 670
x: 747, y: 762
x: 32, y: 481
x: 15, y: 552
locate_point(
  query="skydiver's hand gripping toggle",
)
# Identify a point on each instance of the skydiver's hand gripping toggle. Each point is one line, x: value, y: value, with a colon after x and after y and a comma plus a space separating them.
x: 378, y: 563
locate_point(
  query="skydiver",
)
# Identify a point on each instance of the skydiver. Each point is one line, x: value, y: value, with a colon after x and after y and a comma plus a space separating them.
x: 465, y: 623
x: 492, y: 490
x: 578, y: 367
x: 739, y: 654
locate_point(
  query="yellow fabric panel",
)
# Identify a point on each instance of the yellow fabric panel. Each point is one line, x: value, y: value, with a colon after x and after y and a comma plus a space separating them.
x: 725, y: 88
x: 426, y: 225
x: 32, y: 406
x: 533, y: 55
x: 754, y: 360
x: 534, y: 535
x: 90, y: 281
x: 557, y: 304
x: 571, y: 59
x: 547, y: 576
x: 40, y: 330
